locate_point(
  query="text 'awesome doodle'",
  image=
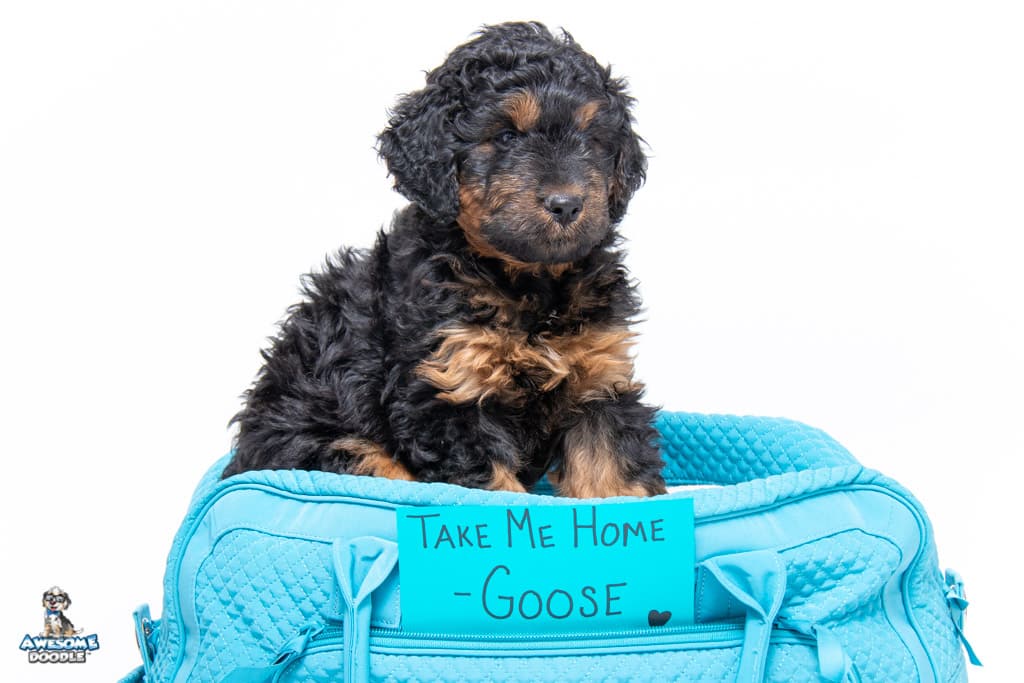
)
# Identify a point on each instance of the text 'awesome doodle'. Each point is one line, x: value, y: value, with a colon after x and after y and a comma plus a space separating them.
x: 59, y: 642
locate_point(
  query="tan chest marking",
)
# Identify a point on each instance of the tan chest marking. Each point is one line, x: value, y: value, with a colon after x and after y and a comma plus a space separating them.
x: 475, y: 362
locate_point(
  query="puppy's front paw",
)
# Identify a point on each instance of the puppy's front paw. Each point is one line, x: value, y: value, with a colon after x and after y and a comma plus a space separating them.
x: 370, y: 459
x: 599, y: 462
x: 505, y: 479
x: 598, y: 483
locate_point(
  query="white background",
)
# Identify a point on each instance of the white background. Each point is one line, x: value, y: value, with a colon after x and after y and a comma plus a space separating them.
x: 830, y: 232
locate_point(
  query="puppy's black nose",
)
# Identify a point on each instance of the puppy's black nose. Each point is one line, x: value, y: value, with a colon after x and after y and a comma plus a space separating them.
x: 564, y: 207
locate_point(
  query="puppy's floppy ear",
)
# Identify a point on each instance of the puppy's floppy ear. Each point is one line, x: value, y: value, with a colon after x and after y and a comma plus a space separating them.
x: 630, y: 161
x: 419, y: 149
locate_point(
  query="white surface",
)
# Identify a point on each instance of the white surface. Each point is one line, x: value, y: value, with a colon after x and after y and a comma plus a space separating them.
x: 830, y: 232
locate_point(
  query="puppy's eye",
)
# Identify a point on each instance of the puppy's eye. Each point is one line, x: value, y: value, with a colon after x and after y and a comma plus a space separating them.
x: 601, y: 147
x: 507, y: 137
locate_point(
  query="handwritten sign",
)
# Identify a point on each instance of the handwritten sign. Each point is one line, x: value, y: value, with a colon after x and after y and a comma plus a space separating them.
x: 553, y: 568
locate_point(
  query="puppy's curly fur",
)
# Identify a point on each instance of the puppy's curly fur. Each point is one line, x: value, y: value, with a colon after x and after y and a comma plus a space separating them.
x: 484, y: 340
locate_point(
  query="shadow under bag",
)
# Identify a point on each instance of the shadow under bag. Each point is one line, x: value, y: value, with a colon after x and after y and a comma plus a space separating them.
x: 808, y: 567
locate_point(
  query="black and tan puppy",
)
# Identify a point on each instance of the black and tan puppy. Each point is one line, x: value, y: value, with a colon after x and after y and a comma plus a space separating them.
x: 55, y: 623
x: 484, y: 340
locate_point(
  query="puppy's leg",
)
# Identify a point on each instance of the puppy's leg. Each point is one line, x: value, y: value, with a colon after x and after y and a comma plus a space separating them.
x: 477, y: 445
x: 368, y: 458
x: 505, y: 480
x: 610, y: 451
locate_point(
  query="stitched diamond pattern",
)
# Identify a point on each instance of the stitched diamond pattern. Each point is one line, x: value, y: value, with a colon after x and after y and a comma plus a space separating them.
x: 254, y: 592
x: 867, y: 637
x: 727, y: 449
x: 831, y: 577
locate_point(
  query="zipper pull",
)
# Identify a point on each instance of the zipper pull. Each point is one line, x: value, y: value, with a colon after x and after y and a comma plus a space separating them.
x: 956, y: 599
x: 834, y: 665
x: 146, y: 631
x: 286, y: 655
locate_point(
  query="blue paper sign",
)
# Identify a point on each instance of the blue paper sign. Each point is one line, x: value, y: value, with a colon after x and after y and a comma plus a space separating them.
x: 545, y: 569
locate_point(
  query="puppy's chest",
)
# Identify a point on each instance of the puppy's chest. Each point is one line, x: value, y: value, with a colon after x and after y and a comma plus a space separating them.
x: 495, y: 361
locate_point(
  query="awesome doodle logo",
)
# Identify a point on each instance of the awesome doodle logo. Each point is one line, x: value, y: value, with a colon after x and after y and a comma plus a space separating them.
x: 59, y: 642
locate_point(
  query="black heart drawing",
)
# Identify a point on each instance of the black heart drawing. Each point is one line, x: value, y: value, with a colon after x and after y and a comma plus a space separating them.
x: 656, y: 618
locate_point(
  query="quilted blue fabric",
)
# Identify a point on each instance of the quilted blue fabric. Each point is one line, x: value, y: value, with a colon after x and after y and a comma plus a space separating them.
x: 725, y: 449
x: 863, y: 594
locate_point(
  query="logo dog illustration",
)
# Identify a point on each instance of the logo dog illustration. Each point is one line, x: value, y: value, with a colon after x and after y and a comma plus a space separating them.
x: 55, y: 624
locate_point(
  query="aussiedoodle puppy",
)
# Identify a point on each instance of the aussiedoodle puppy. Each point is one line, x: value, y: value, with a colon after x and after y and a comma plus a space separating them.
x: 484, y: 340
x: 55, y: 622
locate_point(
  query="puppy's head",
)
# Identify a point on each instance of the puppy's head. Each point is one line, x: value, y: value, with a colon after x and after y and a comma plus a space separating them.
x: 524, y: 140
x: 56, y: 600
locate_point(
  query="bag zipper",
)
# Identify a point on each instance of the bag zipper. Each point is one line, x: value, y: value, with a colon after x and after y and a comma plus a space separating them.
x: 398, y: 642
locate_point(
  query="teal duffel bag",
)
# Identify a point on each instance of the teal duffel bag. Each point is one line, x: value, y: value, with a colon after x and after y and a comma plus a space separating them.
x: 789, y: 562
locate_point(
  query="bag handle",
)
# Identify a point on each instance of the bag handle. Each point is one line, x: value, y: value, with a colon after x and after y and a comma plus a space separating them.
x: 758, y: 580
x: 360, y: 566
